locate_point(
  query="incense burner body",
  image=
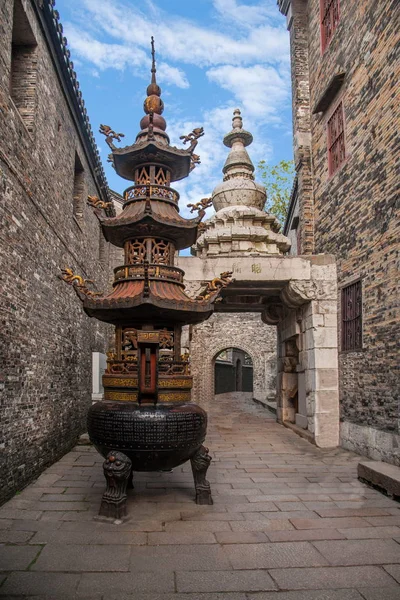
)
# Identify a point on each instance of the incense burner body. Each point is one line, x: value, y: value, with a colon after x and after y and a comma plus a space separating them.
x: 154, y: 437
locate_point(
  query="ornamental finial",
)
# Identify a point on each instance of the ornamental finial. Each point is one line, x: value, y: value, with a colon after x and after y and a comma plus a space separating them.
x: 153, y: 61
x: 153, y: 90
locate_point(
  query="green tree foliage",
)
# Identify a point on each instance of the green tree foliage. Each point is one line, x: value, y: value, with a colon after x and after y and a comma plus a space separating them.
x: 278, y: 181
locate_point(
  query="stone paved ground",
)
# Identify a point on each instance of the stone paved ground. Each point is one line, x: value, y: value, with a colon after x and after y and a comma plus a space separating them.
x: 290, y: 522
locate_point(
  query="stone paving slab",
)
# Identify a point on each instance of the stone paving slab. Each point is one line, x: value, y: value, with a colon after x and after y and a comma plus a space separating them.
x: 59, y: 585
x: 309, y: 595
x: 224, y: 581
x: 138, y: 581
x: 333, y: 577
x: 290, y: 522
x: 76, y: 557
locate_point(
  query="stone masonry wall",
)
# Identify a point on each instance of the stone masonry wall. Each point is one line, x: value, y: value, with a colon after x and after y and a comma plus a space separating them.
x: 46, y: 340
x: 234, y: 330
x: 356, y: 210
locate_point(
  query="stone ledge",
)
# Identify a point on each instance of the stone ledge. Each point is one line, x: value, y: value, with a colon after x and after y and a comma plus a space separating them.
x: 381, y: 475
x: 271, y: 406
x: 303, y: 433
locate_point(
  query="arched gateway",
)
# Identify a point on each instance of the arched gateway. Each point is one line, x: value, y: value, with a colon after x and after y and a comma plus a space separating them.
x: 297, y: 295
x: 244, y: 331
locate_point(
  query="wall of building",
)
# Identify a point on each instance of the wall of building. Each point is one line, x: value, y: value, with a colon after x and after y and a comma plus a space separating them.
x: 245, y: 331
x: 356, y: 210
x: 46, y: 340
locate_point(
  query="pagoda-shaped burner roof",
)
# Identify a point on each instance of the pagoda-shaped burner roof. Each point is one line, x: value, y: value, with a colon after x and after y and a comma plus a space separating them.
x: 155, y: 218
x: 154, y: 300
x: 145, y: 150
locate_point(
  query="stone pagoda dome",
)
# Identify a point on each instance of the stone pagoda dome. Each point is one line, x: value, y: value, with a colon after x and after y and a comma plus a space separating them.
x: 240, y: 226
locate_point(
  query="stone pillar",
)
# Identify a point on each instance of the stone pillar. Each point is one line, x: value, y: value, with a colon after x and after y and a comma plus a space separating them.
x: 310, y: 317
x: 99, y: 364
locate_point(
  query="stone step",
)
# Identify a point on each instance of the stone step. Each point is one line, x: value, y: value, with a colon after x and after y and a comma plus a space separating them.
x: 381, y: 475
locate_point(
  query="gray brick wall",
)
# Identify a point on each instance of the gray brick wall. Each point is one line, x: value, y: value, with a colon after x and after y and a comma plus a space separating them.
x: 356, y: 210
x: 45, y: 338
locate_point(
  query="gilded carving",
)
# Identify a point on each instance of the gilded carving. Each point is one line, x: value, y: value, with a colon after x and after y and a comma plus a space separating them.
x: 114, y: 382
x: 110, y: 135
x: 214, y: 286
x: 175, y: 383
x: 120, y: 396
x: 200, y: 206
x: 175, y: 397
x: 78, y: 283
x: 95, y: 202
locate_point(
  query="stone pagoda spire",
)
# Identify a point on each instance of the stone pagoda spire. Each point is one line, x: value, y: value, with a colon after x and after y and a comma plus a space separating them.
x: 240, y: 226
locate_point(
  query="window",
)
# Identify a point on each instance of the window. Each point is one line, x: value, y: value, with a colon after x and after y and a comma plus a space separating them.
x: 330, y: 16
x: 336, y: 140
x: 79, y: 188
x: 352, y: 317
x: 23, y: 66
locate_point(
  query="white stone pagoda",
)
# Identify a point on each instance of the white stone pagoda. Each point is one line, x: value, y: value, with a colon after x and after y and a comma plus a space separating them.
x: 240, y: 226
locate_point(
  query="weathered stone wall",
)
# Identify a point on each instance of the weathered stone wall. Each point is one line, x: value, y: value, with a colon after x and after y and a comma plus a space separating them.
x: 356, y: 211
x: 46, y: 340
x: 301, y: 111
x: 245, y: 331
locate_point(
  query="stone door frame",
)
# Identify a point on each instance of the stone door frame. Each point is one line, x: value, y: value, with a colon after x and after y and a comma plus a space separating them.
x: 203, y: 373
x: 299, y: 296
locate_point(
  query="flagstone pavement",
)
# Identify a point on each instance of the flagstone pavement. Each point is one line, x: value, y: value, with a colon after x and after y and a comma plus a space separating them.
x: 289, y: 522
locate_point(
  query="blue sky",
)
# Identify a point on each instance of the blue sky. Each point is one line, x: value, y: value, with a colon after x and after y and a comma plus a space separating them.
x: 212, y: 56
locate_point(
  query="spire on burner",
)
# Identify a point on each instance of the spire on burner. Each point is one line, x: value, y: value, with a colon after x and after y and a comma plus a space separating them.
x: 153, y: 103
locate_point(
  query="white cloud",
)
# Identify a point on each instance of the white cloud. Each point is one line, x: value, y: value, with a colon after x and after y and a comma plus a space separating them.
x: 101, y: 54
x: 245, y: 15
x: 185, y: 41
x: 259, y: 89
x: 172, y: 75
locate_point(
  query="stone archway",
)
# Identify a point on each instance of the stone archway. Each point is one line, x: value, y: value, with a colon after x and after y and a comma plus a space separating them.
x: 245, y: 331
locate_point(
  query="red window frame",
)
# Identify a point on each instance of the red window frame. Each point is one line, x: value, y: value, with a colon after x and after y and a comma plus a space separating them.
x: 336, y: 139
x: 330, y: 16
x: 352, y: 317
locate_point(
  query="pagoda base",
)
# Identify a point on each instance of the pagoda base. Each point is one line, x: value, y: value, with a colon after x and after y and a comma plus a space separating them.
x: 149, y: 437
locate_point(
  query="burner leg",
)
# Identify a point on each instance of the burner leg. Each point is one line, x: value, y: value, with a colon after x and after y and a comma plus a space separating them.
x: 117, y: 469
x: 200, y: 463
x: 130, y: 481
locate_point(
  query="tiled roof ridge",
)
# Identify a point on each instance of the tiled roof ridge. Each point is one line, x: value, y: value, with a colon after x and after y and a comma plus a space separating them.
x: 52, y: 18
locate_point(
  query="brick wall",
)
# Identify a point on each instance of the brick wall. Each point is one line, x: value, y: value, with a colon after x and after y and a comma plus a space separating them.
x: 245, y: 331
x: 45, y: 338
x: 356, y: 210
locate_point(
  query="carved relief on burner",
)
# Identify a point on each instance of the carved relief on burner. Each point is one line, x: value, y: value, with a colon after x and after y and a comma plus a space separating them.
x: 135, y: 252
x: 166, y: 339
x: 161, y: 177
x: 142, y: 175
x: 161, y: 252
x: 129, y: 344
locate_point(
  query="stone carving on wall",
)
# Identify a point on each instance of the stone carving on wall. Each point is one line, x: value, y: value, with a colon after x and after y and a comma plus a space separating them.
x: 297, y: 293
x: 273, y: 313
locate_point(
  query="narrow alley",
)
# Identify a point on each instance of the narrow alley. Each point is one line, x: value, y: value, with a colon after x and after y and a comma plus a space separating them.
x: 289, y: 522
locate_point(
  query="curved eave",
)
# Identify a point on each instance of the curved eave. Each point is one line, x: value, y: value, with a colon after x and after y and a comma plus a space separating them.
x: 127, y: 159
x: 163, y: 221
x: 165, y: 302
